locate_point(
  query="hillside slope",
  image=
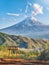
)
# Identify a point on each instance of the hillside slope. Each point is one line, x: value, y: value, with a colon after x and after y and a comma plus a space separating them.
x: 23, y: 42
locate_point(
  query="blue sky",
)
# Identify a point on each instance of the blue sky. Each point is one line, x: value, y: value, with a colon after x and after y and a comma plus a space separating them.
x: 14, y: 11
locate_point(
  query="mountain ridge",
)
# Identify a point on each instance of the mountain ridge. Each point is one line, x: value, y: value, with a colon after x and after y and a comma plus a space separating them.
x: 24, y: 43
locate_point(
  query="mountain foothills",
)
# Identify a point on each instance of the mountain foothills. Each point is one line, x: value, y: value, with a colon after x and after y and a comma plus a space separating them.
x: 28, y: 28
x: 23, y: 42
x: 28, y: 48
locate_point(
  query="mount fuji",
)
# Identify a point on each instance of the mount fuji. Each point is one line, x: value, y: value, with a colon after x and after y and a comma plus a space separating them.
x: 29, y: 28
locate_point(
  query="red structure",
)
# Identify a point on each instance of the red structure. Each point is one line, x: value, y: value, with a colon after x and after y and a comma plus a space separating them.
x: 15, y: 48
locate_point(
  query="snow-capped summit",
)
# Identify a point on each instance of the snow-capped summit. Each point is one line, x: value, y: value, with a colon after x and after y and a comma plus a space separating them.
x: 29, y: 28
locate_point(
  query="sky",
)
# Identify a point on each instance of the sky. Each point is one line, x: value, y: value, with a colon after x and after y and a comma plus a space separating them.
x: 14, y: 11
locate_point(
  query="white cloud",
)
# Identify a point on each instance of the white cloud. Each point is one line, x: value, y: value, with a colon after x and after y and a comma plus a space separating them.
x: 25, y: 16
x: 33, y: 13
x: 33, y: 18
x: 13, y: 14
x: 47, y: 8
x: 27, y: 6
x: 38, y: 9
x: 29, y: 3
x: 26, y: 10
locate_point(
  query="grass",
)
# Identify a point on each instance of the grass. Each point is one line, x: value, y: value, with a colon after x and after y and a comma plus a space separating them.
x: 20, y: 54
x: 4, y: 53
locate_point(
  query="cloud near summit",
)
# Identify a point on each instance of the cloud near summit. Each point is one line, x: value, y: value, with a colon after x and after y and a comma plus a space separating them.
x: 38, y: 9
